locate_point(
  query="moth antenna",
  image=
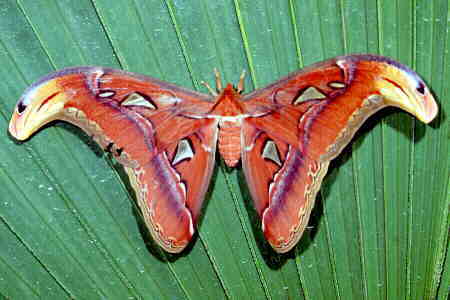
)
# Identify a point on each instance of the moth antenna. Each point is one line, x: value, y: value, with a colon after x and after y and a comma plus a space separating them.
x: 218, y: 80
x: 213, y: 92
x: 240, y: 86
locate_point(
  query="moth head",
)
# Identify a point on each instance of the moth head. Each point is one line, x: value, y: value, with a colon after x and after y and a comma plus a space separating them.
x: 403, y: 88
x: 39, y: 105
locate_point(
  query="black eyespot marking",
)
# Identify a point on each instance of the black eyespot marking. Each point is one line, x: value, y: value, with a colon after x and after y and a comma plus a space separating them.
x: 21, y: 107
x: 421, y: 88
x: 109, y: 147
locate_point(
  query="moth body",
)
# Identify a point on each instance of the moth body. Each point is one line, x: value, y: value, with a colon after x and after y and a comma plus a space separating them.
x: 229, y: 110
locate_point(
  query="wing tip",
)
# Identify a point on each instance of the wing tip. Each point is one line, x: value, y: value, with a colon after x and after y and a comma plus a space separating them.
x: 174, y: 242
x: 276, y: 235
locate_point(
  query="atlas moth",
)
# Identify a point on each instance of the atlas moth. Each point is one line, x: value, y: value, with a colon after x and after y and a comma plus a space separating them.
x: 166, y: 136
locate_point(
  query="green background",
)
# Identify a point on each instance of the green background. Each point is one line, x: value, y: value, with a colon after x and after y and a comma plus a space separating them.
x: 69, y: 227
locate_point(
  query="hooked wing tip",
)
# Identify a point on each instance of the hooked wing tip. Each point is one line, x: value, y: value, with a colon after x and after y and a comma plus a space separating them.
x: 39, y: 105
x: 430, y: 110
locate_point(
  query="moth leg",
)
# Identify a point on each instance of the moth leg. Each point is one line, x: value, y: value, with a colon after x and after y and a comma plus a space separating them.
x: 240, y: 86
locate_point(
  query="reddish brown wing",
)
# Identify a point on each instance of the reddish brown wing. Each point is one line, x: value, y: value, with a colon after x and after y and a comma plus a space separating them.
x: 155, y: 129
x: 315, y: 113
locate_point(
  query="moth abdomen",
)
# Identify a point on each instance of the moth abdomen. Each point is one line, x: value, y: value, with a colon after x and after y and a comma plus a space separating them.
x: 230, y: 142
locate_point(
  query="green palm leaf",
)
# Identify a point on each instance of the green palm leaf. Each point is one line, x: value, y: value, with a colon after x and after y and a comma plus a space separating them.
x: 69, y: 227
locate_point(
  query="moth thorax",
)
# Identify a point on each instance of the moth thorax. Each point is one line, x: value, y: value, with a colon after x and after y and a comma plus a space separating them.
x: 230, y: 142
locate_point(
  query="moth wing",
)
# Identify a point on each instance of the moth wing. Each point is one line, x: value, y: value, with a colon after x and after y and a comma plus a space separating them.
x: 283, y: 180
x: 306, y: 120
x: 155, y: 129
x: 171, y: 187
